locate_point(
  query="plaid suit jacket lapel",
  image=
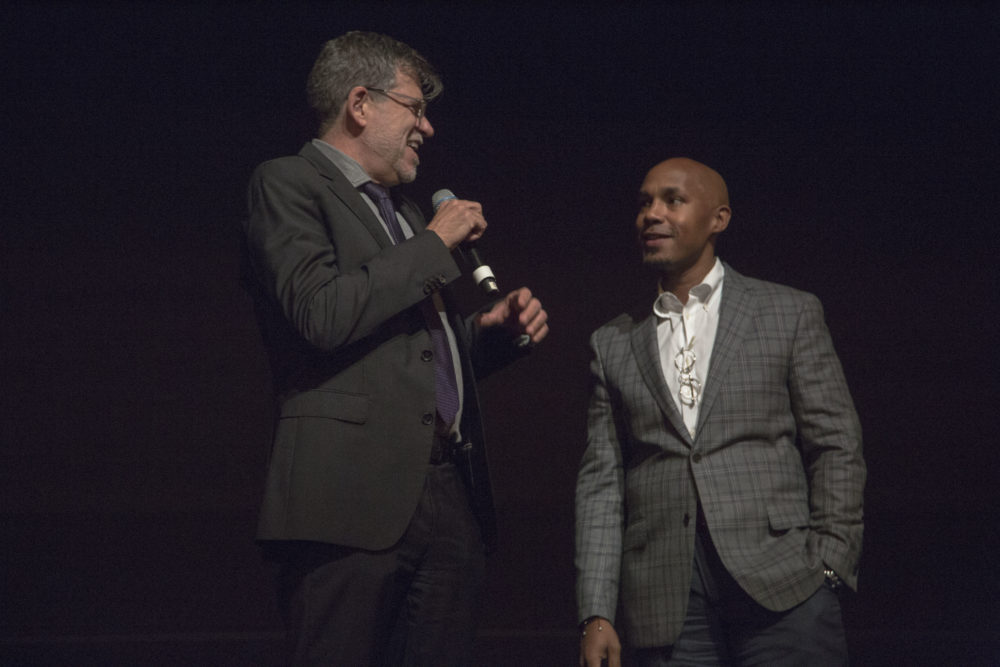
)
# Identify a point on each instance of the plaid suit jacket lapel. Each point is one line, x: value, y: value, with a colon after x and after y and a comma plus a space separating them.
x: 735, y: 323
x: 646, y: 352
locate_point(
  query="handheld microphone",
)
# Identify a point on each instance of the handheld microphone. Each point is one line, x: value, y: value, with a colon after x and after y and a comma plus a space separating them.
x: 481, y: 271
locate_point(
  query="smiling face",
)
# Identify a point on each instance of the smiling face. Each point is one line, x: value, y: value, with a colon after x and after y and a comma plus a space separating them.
x: 395, y: 133
x: 683, y: 206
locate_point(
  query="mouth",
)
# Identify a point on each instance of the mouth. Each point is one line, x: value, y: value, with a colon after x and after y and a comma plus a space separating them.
x: 414, y: 146
x: 654, y: 238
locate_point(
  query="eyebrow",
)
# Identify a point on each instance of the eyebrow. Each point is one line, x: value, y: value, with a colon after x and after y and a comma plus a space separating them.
x: 662, y: 192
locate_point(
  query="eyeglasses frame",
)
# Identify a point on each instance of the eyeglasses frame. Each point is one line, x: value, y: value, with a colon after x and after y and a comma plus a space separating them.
x: 418, y: 105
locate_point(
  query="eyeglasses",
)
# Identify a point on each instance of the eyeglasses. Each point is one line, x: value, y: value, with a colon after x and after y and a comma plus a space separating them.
x: 690, y: 385
x: 417, y: 105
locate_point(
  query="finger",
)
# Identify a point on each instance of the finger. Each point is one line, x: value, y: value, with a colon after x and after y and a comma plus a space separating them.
x: 460, y: 203
x: 524, y: 297
x: 540, y: 335
x: 596, y: 653
x: 519, y: 299
x: 496, y: 315
x: 531, y: 312
x: 533, y: 317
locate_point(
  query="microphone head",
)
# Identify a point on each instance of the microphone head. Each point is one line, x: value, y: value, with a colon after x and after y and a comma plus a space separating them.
x: 441, y: 196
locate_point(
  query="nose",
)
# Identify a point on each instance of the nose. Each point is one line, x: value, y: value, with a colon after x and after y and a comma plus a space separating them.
x: 652, y: 213
x: 424, y: 126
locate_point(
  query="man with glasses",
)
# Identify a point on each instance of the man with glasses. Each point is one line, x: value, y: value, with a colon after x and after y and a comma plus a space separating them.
x: 719, y: 500
x: 377, y: 505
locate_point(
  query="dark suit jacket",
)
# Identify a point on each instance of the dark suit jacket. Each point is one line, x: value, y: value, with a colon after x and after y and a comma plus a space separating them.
x: 776, y: 464
x: 350, y: 354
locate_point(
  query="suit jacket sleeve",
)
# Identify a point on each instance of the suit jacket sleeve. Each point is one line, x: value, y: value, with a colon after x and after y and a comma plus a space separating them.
x: 830, y: 440
x: 600, y: 506
x: 330, y: 276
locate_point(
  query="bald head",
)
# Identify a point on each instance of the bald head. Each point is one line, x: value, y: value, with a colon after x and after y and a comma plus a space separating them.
x: 699, y: 178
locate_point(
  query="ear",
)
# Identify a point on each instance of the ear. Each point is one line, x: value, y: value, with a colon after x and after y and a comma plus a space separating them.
x: 356, y: 107
x: 721, y: 219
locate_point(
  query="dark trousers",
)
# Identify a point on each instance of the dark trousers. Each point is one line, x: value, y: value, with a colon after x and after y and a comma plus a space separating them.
x: 412, y: 604
x: 725, y: 626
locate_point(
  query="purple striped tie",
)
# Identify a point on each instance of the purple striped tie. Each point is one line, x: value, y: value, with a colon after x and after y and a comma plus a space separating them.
x: 445, y: 385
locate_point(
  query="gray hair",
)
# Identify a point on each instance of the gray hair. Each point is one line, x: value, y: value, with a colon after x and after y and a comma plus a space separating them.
x: 363, y: 59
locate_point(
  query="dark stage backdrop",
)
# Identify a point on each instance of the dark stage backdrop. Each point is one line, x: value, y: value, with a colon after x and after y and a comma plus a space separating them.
x: 859, y: 144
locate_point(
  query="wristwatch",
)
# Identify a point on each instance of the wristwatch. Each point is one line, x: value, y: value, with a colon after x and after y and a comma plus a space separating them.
x: 832, y: 579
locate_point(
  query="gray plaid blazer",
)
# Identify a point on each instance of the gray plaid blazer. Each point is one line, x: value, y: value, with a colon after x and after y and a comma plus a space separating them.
x: 776, y: 464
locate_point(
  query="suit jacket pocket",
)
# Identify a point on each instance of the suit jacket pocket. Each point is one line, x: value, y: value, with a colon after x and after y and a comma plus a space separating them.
x: 787, y: 516
x: 329, y: 405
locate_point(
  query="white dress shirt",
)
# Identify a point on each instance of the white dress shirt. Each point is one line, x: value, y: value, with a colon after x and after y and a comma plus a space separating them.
x: 682, y: 329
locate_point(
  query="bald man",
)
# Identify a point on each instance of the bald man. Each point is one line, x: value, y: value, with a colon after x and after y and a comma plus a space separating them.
x: 719, y: 500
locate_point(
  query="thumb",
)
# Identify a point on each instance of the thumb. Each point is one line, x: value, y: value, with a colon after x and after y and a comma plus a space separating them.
x: 496, y: 315
x: 518, y: 299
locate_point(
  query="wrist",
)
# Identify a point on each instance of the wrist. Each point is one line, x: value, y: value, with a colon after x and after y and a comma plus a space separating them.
x: 585, y: 624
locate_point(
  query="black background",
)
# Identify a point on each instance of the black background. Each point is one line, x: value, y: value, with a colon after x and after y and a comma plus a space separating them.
x: 859, y: 145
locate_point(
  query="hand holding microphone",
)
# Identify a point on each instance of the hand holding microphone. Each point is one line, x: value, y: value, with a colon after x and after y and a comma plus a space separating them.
x: 519, y: 311
x: 456, y: 220
x: 481, y: 272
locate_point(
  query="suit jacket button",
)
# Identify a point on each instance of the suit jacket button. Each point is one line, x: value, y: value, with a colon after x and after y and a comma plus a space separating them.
x: 427, y: 419
x: 426, y: 355
x: 696, y: 458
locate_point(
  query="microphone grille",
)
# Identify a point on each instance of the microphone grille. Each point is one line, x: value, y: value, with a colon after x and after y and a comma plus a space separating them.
x: 441, y: 196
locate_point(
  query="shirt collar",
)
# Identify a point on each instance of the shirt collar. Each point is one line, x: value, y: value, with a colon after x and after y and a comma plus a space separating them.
x: 667, y: 303
x: 347, y: 165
